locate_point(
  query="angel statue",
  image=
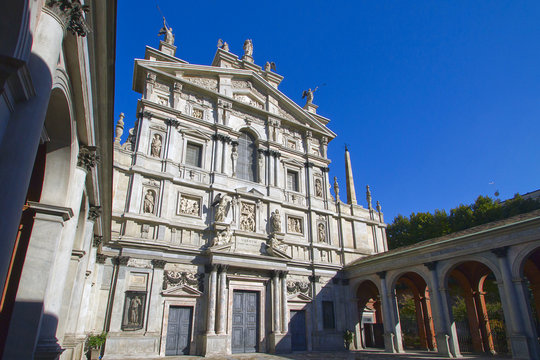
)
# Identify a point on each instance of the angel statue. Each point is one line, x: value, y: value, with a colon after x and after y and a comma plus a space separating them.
x: 223, y: 204
x: 270, y: 66
x: 223, y: 45
x: 309, y: 95
x: 167, y: 31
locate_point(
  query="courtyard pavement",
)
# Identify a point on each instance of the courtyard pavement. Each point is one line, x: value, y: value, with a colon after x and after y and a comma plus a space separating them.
x: 350, y: 355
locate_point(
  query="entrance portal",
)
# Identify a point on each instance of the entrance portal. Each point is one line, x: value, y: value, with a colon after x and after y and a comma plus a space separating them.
x: 297, y: 327
x: 245, y: 321
x: 179, y: 330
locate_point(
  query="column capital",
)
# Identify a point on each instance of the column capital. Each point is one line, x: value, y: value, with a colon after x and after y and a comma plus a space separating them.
x: 94, y: 212
x: 88, y: 157
x: 158, y: 263
x: 211, y: 268
x: 500, y: 252
x: 223, y: 268
x: 314, y: 278
x: 97, y: 240
x: 100, y: 258
x: 70, y: 14
x: 431, y: 265
x: 172, y: 122
x: 381, y: 275
x: 121, y: 260
x: 283, y: 274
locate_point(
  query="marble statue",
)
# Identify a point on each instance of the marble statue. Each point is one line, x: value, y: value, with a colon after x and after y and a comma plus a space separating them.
x: 234, y: 157
x: 321, y: 233
x: 223, y: 238
x: 276, y: 221
x: 223, y: 45
x: 135, y: 310
x: 248, y: 47
x: 167, y: 31
x: 270, y: 66
x: 368, y: 197
x: 156, y: 145
x: 336, y: 188
x: 223, y: 204
x: 149, y: 200
x: 308, y: 94
x: 318, y: 188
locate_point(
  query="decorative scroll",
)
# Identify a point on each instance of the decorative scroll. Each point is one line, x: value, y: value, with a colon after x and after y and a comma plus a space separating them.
x: 175, y: 278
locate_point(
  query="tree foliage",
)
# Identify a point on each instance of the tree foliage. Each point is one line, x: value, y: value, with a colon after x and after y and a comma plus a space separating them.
x: 421, y: 226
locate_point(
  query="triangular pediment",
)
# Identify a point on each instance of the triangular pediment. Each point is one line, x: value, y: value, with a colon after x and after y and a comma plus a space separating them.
x: 196, y: 133
x: 204, y: 76
x: 292, y: 161
x: 182, y: 290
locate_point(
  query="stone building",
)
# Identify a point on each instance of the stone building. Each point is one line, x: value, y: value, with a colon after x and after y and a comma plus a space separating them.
x: 56, y: 113
x: 225, y: 236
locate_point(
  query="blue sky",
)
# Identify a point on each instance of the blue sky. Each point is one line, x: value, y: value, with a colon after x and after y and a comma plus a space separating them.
x: 436, y: 99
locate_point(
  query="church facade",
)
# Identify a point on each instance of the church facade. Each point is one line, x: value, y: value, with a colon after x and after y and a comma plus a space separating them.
x: 225, y: 236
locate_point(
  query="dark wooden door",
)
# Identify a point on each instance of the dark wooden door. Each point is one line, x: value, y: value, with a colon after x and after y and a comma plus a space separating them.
x: 179, y: 330
x: 245, y: 321
x: 297, y: 327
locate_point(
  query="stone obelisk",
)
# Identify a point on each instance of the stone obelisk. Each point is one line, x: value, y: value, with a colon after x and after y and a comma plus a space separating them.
x: 351, y: 193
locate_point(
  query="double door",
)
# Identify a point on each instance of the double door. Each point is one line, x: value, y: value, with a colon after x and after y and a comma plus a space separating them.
x: 245, y: 321
x: 179, y: 330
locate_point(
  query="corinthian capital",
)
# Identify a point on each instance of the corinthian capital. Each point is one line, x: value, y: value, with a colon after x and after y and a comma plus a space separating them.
x: 88, y: 157
x: 71, y: 12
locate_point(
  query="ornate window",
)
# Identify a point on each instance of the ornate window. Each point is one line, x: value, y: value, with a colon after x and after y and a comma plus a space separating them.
x: 193, y: 154
x: 292, y: 180
x: 247, y: 157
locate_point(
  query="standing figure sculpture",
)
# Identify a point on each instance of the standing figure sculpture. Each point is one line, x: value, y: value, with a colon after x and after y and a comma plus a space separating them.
x: 248, y: 48
x: 223, y: 203
x: 167, y: 31
x: 135, y: 310
x: 322, y: 233
x: 336, y: 188
x: 318, y: 188
x: 308, y: 94
x: 149, y: 200
x: 156, y: 146
x: 234, y: 158
x: 276, y: 221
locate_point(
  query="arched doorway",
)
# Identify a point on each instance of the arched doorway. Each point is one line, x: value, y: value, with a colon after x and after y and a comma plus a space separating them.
x: 476, y: 309
x: 370, y: 315
x: 414, y: 309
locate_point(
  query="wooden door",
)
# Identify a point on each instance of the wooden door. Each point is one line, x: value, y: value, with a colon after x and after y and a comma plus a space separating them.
x: 179, y: 330
x: 245, y: 322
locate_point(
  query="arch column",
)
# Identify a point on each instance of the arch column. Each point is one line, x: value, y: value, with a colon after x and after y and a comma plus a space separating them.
x: 446, y: 334
x: 392, y: 338
x: 522, y: 340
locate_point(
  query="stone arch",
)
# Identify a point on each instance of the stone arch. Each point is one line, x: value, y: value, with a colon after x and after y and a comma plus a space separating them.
x: 469, y: 274
x: 521, y: 257
x: 62, y: 146
x: 419, y: 270
x: 420, y: 331
x: 370, y: 318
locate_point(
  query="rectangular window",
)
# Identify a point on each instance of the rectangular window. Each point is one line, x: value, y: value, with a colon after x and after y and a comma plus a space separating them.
x: 193, y: 154
x: 292, y: 180
x: 328, y: 314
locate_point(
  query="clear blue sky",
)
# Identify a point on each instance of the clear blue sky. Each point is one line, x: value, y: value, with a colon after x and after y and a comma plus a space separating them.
x: 436, y: 99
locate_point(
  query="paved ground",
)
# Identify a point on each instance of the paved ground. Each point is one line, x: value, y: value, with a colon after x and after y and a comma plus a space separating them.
x: 352, y: 355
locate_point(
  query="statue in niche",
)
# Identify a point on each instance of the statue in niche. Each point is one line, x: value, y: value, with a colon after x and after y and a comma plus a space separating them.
x: 167, y: 31
x: 223, y: 237
x: 149, y: 200
x: 135, y: 310
x: 223, y: 204
x: 261, y: 165
x: 318, y: 188
x: 308, y: 95
x: 234, y: 157
x: 248, y: 47
x: 156, y: 145
x: 276, y: 221
x: 322, y: 232
x: 336, y: 188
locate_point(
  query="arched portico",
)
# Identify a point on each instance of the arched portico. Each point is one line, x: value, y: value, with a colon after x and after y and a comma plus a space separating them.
x: 370, y: 318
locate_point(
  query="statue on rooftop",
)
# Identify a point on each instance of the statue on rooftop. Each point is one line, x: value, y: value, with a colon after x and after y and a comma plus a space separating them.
x: 167, y: 31
x: 223, y: 45
x: 308, y: 94
x: 270, y: 66
x: 248, y: 47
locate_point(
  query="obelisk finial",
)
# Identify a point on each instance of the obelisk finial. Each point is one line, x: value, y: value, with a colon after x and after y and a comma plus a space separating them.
x: 351, y: 193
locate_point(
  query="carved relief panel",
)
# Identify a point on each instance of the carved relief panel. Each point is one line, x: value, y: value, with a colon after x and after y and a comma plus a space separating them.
x: 295, y: 225
x: 247, y: 217
x: 188, y: 205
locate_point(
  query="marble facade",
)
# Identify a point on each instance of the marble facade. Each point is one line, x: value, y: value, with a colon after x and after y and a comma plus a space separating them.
x: 193, y: 231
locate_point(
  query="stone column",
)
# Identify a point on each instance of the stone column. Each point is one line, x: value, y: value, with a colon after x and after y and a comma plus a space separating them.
x: 389, y: 334
x: 446, y: 334
x: 211, y: 311
x: 52, y: 324
x: 284, y: 305
x: 275, y: 296
x: 523, y: 346
x: 223, y: 300
x: 28, y: 310
x: 20, y: 140
x: 155, y: 308
x: 84, y: 311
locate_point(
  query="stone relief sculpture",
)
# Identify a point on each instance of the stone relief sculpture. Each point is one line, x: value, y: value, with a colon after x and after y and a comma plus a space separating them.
x: 223, y: 204
x: 276, y: 243
x: 247, y: 217
x: 167, y: 31
x: 276, y: 221
x: 175, y: 278
x: 189, y: 206
x: 224, y: 237
x: 318, y: 188
x: 133, y: 310
x: 149, y: 201
x: 155, y: 149
x: 294, y: 287
x: 321, y: 232
x: 294, y: 225
x: 248, y: 48
x: 234, y: 158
